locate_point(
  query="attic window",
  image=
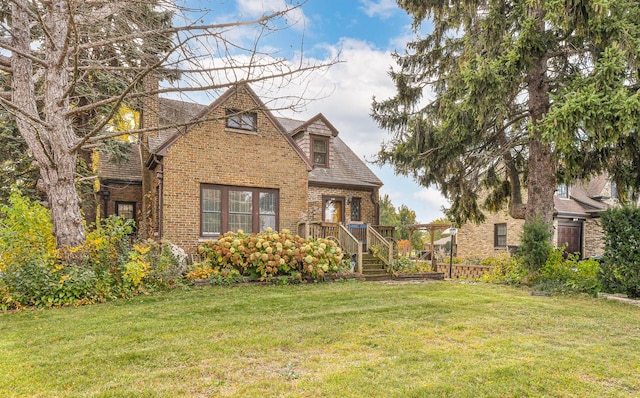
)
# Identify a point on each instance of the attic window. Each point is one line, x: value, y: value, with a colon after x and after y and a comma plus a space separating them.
x: 562, y: 191
x: 320, y: 151
x: 242, y: 120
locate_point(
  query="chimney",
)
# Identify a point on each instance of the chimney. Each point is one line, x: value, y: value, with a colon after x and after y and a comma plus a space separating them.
x: 149, y: 115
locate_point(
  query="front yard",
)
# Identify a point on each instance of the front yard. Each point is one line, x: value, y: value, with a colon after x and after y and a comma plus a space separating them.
x: 344, y: 339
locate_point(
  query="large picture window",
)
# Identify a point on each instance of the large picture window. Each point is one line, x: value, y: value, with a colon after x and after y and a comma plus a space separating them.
x: 227, y: 208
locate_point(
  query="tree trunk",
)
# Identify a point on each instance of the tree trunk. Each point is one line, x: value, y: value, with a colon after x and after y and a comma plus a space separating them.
x: 542, y: 166
x: 542, y: 182
x: 63, y: 202
x: 50, y: 139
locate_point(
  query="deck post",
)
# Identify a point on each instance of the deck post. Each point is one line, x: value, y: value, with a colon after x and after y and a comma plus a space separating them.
x: 359, y: 257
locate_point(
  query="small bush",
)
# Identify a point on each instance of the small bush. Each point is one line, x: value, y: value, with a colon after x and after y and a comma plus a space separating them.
x: 405, y: 265
x: 506, y: 270
x: 535, y: 245
x: 564, y: 275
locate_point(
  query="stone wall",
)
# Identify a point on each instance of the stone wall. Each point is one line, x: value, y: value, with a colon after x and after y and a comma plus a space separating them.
x: 463, y: 271
x: 593, y: 238
x: 210, y: 153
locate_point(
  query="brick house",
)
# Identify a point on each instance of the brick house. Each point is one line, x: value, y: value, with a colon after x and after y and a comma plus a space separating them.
x: 234, y: 165
x: 576, y: 223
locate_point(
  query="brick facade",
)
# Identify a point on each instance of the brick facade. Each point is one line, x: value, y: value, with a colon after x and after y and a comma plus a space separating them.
x: 368, y: 208
x: 477, y: 240
x: 122, y: 192
x: 210, y: 153
x: 180, y: 161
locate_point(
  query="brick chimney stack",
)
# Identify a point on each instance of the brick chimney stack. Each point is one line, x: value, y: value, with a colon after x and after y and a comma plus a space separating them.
x: 149, y: 116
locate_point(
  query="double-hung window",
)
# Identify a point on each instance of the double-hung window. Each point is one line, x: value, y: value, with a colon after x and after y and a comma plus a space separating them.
x: 320, y: 151
x: 500, y: 235
x: 227, y: 208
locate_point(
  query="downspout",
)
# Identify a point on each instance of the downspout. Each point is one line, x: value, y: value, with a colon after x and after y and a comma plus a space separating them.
x: 160, y: 176
x: 376, y: 203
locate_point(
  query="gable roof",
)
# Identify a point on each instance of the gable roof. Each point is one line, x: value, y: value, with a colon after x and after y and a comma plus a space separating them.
x: 309, y: 123
x: 128, y: 170
x: 161, y: 149
x: 346, y: 168
x: 583, y: 198
x: 171, y: 113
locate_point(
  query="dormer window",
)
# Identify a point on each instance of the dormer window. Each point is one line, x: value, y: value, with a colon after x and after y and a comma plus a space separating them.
x: 242, y: 120
x: 562, y: 191
x: 320, y: 151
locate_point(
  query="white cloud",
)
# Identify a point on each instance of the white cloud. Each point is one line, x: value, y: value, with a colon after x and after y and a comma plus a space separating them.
x: 258, y: 8
x: 351, y: 86
x: 381, y: 8
x: 432, y: 197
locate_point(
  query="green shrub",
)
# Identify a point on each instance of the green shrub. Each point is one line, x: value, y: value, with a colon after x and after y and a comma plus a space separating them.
x: 620, y: 271
x: 535, y: 245
x: 26, y: 232
x: 562, y: 275
x: 505, y: 270
x: 405, y: 265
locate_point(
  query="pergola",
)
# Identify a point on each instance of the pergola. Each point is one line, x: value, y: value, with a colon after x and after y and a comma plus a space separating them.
x: 431, y: 228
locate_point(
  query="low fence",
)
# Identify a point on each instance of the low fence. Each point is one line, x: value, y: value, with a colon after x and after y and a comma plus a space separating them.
x: 464, y: 271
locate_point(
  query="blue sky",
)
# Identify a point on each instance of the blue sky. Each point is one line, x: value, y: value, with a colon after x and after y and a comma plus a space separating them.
x: 365, y: 33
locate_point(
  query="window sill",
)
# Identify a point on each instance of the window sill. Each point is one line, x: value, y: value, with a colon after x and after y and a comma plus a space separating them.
x: 204, y: 239
x: 240, y: 131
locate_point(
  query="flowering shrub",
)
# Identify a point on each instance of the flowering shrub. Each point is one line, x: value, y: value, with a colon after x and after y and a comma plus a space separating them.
x: 269, y: 254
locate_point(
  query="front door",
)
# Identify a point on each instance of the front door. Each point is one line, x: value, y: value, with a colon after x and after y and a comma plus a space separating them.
x: 333, y: 209
x: 570, y: 233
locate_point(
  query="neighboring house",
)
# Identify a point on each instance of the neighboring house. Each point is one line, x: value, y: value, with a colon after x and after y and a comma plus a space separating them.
x: 576, y: 223
x: 236, y: 166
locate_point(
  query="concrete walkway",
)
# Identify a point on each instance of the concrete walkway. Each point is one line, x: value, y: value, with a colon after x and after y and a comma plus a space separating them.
x: 620, y: 297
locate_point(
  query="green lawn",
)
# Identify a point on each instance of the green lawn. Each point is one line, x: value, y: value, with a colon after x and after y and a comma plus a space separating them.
x: 326, y: 340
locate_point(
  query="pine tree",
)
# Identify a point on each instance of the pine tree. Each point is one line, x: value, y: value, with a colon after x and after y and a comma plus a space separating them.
x: 504, y: 96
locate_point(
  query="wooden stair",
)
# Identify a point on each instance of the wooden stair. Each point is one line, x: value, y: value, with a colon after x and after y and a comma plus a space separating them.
x: 373, y: 268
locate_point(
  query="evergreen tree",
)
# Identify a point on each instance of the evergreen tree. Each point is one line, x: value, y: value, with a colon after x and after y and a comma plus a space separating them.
x: 504, y: 96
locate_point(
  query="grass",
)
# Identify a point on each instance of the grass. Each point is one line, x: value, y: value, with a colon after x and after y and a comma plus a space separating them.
x: 326, y: 340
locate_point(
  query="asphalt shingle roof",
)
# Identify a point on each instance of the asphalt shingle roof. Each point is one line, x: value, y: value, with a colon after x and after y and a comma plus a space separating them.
x: 346, y: 168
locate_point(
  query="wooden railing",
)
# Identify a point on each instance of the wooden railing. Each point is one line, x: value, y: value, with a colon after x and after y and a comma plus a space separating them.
x: 380, y: 247
x: 386, y: 231
x: 351, y: 246
x: 318, y: 229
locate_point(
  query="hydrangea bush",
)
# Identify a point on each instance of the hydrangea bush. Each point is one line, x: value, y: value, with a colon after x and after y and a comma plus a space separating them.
x: 269, y: 254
